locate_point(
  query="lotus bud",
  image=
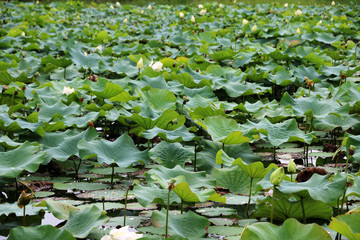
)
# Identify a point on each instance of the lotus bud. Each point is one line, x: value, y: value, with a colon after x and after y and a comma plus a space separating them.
x: 200, y: 6
x: 221, y: 5
x: 181, y: 14
x: 298, y: 12
x: 37, y: 2
x: 234, y: 1
x: 291, y: 167
x: 149, y: 7
x: 111, y: 6
x: 85, y: 53
x: 320, y: 22
x: 118, y: 4
x: 24, y: 199
x: 172, y: 183
x: 254, y: 28
x: 192, y: 19
x: 125, y: 20
x: 203, y: 12
x: 332, y: 3
x: 142, y: 12
x: 245, y: 21
x: 350, y: 181
x: 286, y: 5
x: 99, y: 48
x: 298, y: 31
x: 23, y: 34
x: 277, y: 176
x: 140, y: 64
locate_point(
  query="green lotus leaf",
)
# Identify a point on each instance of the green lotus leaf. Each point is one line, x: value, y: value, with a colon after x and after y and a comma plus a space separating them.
x: 153, y: 194
x: 168, y: 119
x: 282, y: 78
x: 279, y: 133
x: 239, y: 88
x: 103, y: 88
x: 58, y: 209
x: 178, y: 135
x: 291, y: 229
x: 160, y: 99
x: 203, y: 112
x: 285, y: 208
x: 254, y: 170
x: 60, y: 62
x: 61, y: 146
x: 188, y: 224
x: 347, y: 93
x: 223, y: 130
x: 26, y: 157
x: 92, y: 61
x: 355, y: 189
x: 309, y: 72
x: 45, y: 232
x: 122, y: 151
x: 84, y: 186
x: 234, y: 179
x: 101, y: 36
x: 7, y: 143
x: 318, y: 187
x: 80, y: 223
x: 7, y: 78
x: 124, y: 66
x: 331, y: 121
x: 163, y: 175
x: 170, y: 154
x: 58, y: 110
x: 206, y: 159
x: 184, y: 192
x: 347, y: 225
x: 9, y: 208
x: 223, y: 159
x: 327, y: 38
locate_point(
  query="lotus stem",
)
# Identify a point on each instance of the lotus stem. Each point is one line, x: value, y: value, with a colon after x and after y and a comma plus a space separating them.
x: 12, y: 103
x: 247, y: 206
x: 125, y: 209
x: 64, y: 73
x: 342, y: 201
x: 167, y: 214
x: 303, y: 210
x: 24, y: 217
x: 112, y: 176
x: 182, y: 206
x: 103, y: 202
x: 195, y: 157
x: 272, y: 205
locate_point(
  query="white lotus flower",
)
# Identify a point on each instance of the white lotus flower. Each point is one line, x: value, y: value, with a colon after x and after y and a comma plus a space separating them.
x: 319, y: 23
x: 181, y: 14
x: 200, y: 6
x: 221, y: 5
x: 286, y: 5
x: 23, y: 34
x: 111, y: 6
x: 118, y: 4
x: 125, y: 20
x: 149, y: 7
x: 142, y: 12
x: 203, y: 12
x: 156, y: 66
x: 122, y: 234
x: 99, y: 48
x: 192, y: 19
x: 140, y: 64
x: 298, y: 12
x: 68, y: 90
x: 245, y: 21
x: 37, y: 2
x: 332, y: 3
x: 85, y: 53
x: 234, y: 1
x: 298, y: 31
x: 254, y: 28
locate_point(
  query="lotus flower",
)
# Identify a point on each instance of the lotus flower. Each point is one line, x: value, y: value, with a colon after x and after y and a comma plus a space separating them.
x: 221, y: 5
x: 23, y: 34
x: 99, y: 48
x: 192, y: 19
x: 118, y: 4
x: 156, y: 66
x: 125, y: 20
x: 298, y: 31
x: 149, y: 7
x: 181, y: 14
x: 68, y: 90
x: 142, y: 12
x: 298, y: 12
x: 286, y: 5
x: 111, y: 6
x: 245, y: 21
x: 203, y: 12
x: 332, y: 3
x: 200, y: 6
x: 122, y: 234
x: 254, y: 28
x: 140, y: 64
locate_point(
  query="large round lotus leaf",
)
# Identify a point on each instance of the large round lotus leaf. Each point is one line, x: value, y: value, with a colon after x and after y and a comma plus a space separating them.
x: 108, y: 170
x: 108, y: 194
x: 44, y: 232
x: 107, y: 205
x: 131, y: 221
x: 347, y: 225
x: 60, y: 62
x: 223, y: 129
x: 291, y: 229
x: 232, y: 199
x: 26, y: 157
x: 170, y: 154
x: 122, y: 151
x: 225, y: 230
x: 153, y: 194
x: 80, y: 223
x: 223, y: 221
x: 188, y: 224
x: 216, y: 211
x: 58, y: 209
x: 254, y: 170
x: 7, y: 208
x: 178, y: 135
x: 85, y: 186
x: 160, y: 99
